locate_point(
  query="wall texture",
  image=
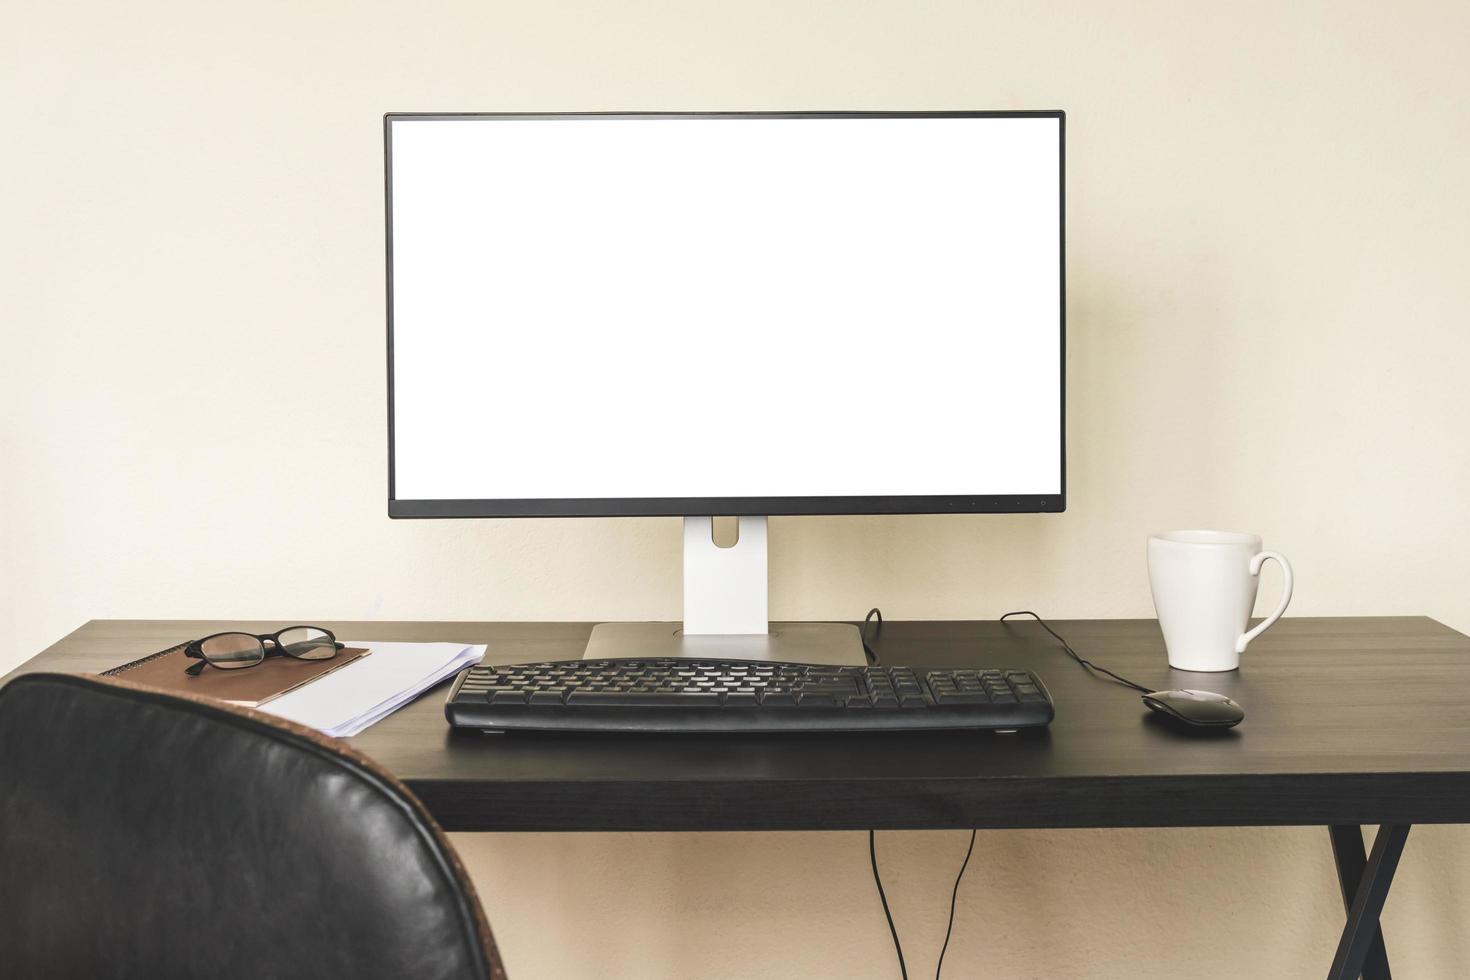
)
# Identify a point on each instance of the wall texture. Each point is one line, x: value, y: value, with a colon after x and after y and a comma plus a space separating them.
x: 1267, y: 304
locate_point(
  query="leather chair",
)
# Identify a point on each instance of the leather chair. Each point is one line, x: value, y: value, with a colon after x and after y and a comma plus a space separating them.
x: 147, y: 835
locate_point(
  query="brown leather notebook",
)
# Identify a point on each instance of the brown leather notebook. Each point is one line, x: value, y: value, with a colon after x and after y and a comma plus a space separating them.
x: 250, y: 686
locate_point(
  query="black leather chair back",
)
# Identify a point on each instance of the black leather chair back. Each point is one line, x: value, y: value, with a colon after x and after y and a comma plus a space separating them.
x: 145, y: 835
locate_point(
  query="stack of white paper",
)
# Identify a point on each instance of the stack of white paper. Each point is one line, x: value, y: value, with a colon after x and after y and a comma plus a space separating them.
x: 348, y: 700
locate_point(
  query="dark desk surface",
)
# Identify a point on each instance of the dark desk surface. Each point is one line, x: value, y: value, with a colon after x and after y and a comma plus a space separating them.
x: 1363, y: 720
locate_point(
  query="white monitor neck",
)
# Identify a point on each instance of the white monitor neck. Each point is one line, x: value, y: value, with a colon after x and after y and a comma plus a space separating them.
x: 726, y: 590
x: 727, y: 611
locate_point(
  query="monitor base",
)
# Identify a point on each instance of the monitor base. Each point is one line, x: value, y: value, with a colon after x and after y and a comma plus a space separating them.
x: 837, y: 644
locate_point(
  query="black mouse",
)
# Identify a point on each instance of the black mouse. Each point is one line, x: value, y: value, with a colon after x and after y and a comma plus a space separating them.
x: 1203, y: 709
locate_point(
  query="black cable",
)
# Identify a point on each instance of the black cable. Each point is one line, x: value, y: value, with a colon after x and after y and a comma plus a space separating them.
x: 954, y: 897
x: 863, y: 631
x: 878, y: 880
x: 1091, y: 667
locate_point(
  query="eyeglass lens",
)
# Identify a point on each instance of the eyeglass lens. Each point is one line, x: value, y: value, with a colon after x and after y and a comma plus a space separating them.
x: 230, y: 651
x: 308, y: 643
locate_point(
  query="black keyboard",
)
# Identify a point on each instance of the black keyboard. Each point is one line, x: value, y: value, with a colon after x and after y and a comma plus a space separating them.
x: 671, y: 695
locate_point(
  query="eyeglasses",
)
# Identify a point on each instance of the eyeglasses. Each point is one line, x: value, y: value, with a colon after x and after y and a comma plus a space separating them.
x: 235, y: 651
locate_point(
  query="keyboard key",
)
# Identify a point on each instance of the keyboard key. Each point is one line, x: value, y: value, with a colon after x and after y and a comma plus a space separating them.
x: 838, y: 691
x: 961, y: 697
x: 643, y: 700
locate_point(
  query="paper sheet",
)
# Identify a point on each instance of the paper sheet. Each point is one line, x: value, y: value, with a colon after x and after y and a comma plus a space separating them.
x: 347, y: 701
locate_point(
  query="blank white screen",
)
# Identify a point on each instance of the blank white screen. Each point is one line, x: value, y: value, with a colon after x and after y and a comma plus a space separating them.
x: 614, y: 308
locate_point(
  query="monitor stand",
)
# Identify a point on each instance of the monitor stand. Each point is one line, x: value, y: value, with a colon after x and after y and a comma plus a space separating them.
x: 726, y: 615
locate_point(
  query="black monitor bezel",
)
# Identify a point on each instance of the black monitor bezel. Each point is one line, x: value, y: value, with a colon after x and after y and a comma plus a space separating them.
x: 732, y: 506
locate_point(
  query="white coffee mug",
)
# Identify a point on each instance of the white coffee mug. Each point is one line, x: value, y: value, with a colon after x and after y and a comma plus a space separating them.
x: 1204, y: 585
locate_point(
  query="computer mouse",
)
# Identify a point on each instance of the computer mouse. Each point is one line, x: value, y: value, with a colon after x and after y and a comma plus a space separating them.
x: 1203, y: 709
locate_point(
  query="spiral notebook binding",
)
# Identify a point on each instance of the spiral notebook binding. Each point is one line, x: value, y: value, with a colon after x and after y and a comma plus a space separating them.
x: 141, y: 661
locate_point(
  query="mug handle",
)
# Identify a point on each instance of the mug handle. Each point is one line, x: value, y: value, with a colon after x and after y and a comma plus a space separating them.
x: 1270, y: 620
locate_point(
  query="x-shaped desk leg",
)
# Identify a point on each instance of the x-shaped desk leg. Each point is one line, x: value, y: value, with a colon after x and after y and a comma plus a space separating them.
x: 1365, y: 884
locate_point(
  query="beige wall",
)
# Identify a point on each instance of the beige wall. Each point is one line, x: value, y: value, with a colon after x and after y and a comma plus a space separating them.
x: 1267, y: 252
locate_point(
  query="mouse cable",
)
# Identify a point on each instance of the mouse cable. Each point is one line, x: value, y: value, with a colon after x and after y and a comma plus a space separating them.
x: 878, y: 880
x: 877, y: 614
x: 1093, y: 668
x: 954, y: 897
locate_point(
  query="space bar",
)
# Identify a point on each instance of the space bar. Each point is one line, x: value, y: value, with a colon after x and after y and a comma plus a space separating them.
x: 673, y: 698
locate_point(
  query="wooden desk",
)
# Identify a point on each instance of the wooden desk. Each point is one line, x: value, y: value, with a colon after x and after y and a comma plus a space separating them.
x: 1348, y: 721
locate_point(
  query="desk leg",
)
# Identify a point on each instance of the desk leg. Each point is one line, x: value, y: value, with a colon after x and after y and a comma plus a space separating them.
x: 1364, y: 884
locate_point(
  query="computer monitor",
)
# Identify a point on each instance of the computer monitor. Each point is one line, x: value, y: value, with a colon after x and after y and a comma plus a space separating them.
x: 702, y: 314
